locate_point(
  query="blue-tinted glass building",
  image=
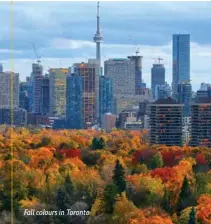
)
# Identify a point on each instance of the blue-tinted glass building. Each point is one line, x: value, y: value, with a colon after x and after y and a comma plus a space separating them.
x: 185, y: 97
x: 181, y: 60
x: 74, y: 102
x: 157, y: 76
x: 105, y: 96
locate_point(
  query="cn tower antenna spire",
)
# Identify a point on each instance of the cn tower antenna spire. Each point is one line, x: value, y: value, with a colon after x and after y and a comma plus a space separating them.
x: 98, y: 38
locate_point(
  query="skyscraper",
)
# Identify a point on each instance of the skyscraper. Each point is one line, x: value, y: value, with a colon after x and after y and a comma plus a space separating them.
x: 98, y: 38
x: 122, y: 72
x: 74, y: 101
x: 181, y: 61
x: 185, y: 97
x: 37, y: 76
x: 45, y: 96
x: 90, y: 96
x: 106, y: 96
x: 57, y: 85
x: 157, y: 76
x: 138, y: 71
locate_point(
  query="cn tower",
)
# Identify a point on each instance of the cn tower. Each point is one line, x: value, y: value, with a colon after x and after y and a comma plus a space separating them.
x: 98, y: 38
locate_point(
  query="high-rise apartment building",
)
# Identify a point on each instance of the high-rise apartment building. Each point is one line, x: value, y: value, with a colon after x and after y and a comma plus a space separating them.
x: 122, y: 72
x: 201, y: 122
x: 45, y: 92
x: 157, y: 77
x: 90, y: 97
x: 106, y: 96
x: 181, y: 61
x: 74, y: 101
x: 166, y: 122
x: 36, y: 76
x: 9, y: 90
x: 57, y: 91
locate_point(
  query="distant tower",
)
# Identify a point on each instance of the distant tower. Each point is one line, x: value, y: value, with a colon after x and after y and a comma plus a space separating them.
x: 98, y: 37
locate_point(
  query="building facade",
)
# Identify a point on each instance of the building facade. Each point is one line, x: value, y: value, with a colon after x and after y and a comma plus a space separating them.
x: 185, y: 97
x: 57, y: 91
x: 181, y: 61
x: 157, y: 77
x: 162, y: 91
x: 36, y: 76
x: 90, y: 91
x: 201, y: 122
x: 166, y: 122
x: 9, y: 97
x: 74, y: 102
x: 106, y: 96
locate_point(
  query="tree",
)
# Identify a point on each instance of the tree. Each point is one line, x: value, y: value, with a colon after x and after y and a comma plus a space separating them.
x: 109, y: 198
x: 166, y: 202
x: 119, y: 177
x: 185, y: 197
x: 98, y: 143
x: 192, y: 216
x: 156, y: 161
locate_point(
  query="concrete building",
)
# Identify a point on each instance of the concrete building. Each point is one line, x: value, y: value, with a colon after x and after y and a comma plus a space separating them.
x: 166, y: 122
x: 108, y: 122
x: 36, y: 76
x: 74, y: 102
x: 45, y: 95
x: 157, y: 77
x: 138, y: 71
x: 201, y: 122
x: 122, y: 72
x: 181, y: 61
x: 57, y: 91
x: 8, y: 80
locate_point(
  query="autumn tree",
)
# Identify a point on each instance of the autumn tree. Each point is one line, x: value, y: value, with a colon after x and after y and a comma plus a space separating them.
x: 119, y: 177
x: 156, y: 161
x: 109, y: 198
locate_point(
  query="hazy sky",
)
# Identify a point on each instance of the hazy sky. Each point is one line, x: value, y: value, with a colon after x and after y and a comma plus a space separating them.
x: 63, y: 34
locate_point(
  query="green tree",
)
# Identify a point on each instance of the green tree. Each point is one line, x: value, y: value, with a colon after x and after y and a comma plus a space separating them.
x: 156, y: 161
x: 186, y: 197
x: 119, y: 177
x: 98, y: 143
x: 166, y: 202
x: 109, y: 198
x: 192, y: 216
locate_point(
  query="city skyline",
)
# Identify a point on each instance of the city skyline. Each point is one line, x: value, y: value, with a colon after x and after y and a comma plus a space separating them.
x: 122, y: 35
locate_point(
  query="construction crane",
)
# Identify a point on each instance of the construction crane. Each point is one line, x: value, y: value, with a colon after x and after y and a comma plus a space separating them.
x: 35, y: 51
x: 158, y: 59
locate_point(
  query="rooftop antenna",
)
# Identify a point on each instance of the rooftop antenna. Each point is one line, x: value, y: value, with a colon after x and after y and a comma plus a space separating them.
x: 137, y: 52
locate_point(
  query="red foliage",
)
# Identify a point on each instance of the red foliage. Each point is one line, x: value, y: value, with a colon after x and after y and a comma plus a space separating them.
x: 171, y: 158
x: 165, y: 173
x: 143, y: 155
x: 70, y: 153
x: 200, y: 159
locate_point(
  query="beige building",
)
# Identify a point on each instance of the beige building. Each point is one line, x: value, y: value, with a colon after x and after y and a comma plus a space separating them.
x: 9, y: 89
x: 57, y: 91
